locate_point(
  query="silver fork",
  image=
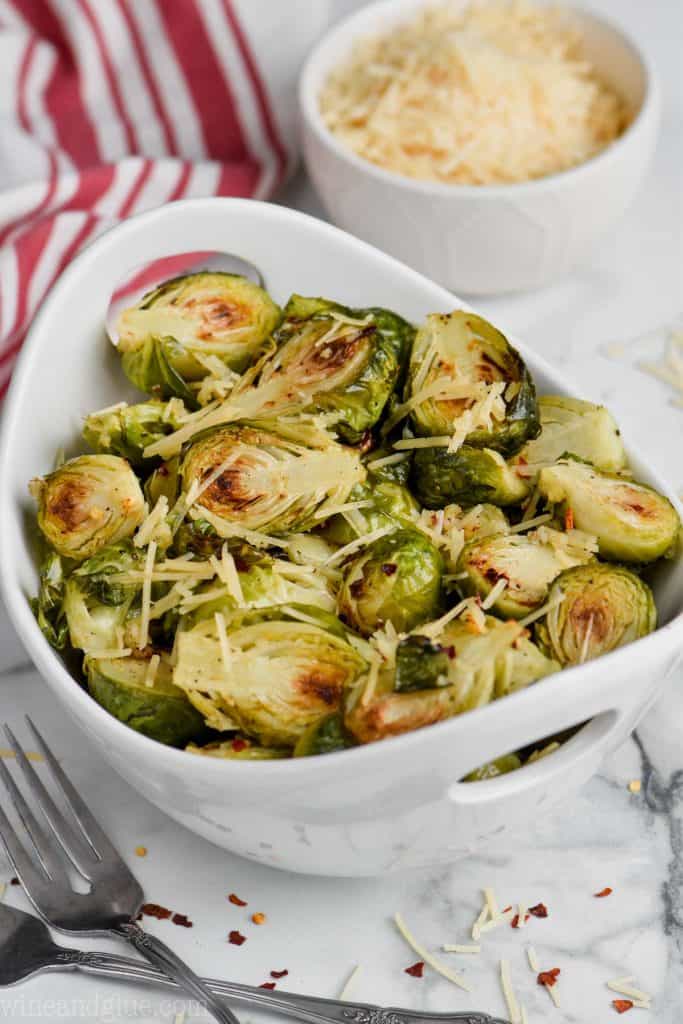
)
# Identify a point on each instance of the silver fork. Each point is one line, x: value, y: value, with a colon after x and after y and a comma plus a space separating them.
x: 113, y: 901
x: 26, y: 948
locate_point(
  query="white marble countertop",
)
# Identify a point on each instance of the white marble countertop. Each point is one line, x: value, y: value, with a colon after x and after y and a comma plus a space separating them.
x: 318, y: 929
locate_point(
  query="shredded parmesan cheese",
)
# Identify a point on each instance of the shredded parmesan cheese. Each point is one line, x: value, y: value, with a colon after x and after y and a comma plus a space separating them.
x: 440, y: 96
x: 148, y: 530
x: 586, y: 639
x: 521, y: 915
x: 226, y: 654
x: 533, y: 959
x: 496, y: 922
x: 146, y: 594
x: 509, y: 994
x: 527, y: 524
x: 543, y: 610
x: 423, y: 442
x: 387, y: 460
x: 494, y: 593
x: 461, y: 949
x: 349, y: 983
x: 360, y: 542
x: 427, y: 956
x: 491, y: 903
x: 621, y: 987
x: 476, y: 927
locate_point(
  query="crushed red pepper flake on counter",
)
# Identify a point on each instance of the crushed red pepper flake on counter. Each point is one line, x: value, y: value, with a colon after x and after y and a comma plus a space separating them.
x: 603, y: 892
x: 182, y: 920
x: 540, y: 910
x: 279, y: 974
x: 515, y: 920
x: 506, y: 910
x: 417, y: 970
x: 156, y: 910
x: 549, y: 978
x: 233, y: 898
x: 268, y: 984
x: 236, y: 938
x: 14, y: 881
x: 622, y: 1005
x: 258, y: 918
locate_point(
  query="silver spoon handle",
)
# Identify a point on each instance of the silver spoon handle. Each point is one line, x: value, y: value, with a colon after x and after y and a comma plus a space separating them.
x: 311, y: 1009
x: 163, y: 958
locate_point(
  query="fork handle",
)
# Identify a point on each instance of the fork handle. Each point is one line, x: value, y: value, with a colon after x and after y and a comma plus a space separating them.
x: 311, y: 1009
x: 175, y: 969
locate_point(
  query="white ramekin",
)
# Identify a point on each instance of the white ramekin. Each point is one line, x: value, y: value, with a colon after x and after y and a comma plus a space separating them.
x: 396, y: 804
x: 482, y: 239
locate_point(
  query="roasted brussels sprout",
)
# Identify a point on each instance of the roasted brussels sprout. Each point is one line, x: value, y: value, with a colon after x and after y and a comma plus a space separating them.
x: 382, y: 503
x: 252, y: 479
x: 593, y: 609
x: 396, y: 578
x: 466, y: 380
x: 526, y: 563
x: 87, y: 503
x: 328, y: 359
x: 97, y: 605
x: 461, y: 670
x: 633, y: 522
x: 144, y: 698
x: 164, y: 481
x: 240, y: 748
x: 165, y: 340
x: 324, y: 737
x: 48, y: 607
x: 469, y: 476
x: 127, y: 430
x: 492, y: 769
x: 271, y: 673
x: 386, y: 464
x: 452, y: 527
x: 571, y: 425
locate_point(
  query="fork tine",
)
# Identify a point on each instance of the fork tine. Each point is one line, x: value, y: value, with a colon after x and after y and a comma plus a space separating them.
x: 73, y: 842
x: 48, y: 855
x: 91, y: 829
x: 31, y: 872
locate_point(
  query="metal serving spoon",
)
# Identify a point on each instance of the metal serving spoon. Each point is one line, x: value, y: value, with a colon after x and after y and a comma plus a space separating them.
x: 27, y: 948
x: 139, y: 280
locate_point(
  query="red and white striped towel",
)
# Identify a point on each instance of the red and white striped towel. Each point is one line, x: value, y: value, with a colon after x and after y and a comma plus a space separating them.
x: 111, y: 107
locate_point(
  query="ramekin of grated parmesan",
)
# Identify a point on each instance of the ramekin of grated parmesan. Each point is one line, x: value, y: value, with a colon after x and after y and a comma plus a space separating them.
x: 487, y: 145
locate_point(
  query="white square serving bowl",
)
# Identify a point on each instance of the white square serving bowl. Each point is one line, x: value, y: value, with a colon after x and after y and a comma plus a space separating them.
x: 396, y: 804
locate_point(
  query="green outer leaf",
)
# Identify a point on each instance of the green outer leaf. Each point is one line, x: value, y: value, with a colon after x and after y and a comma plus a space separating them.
x: 150, y: 368
x: 392, y: 504
x: 420, y: 664
x: 48, y: 607
x: 129, y: 430
x: 324, y: 737
x: 470, y: 476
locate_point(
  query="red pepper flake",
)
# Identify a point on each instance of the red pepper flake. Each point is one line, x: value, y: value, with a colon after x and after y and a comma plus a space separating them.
x: 389, y: 568
x: 515, y: 920
x: 549, y: 978
x: 181, y: 920
x: 236, y: 938
x: 569, y: 519
x: 239, y: 744
x: 540, y: 910
x: 622, y: 1005
x: 268, y: 984
x: 155, y: 910
x: 507, y: 909
x: 14, y: 881
x: 279, y: 974
x: 417, y: 970
x: 236, y: 900
x: 603, y: 892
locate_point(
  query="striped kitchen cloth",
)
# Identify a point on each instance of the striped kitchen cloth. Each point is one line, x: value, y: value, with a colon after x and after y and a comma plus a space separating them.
x: 112, y: 107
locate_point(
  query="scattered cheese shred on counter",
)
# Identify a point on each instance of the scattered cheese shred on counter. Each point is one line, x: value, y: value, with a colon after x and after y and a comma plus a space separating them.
x: 509, y: 994
x: 350, y: 982
x: 476, y: 927
x: 491, y: 903
x: 621, y: 987
x: 496, y: 922
x: 533, y: 959
x: 440, y: 95
x: 427, y: 957
x: 461, y: 949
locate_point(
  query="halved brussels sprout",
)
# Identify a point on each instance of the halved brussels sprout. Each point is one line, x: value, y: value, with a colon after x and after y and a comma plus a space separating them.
x: 452, y: 527
x: 48, y: 607
x: 526, y: 563
x: 597, y: 608
x: 97, y: 606
x: 633, y: 522
x: 254, y: 479
x: 492, y: 769
x: 126, y: 430
x: 396, y: 578
x: 463, y: 373
x: 87, y: 503
x: 469, y: 476
x: 324, y: 737
x: 386, y: 464
x: 571, y: 425
x: 328, y: 359
x: 240, y: 748
x: 385, y: 503
x: 460, y: 670
x: 271, y: 673
x: 165, y: 339
x: 150, y: 704
x: 164, y: 481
